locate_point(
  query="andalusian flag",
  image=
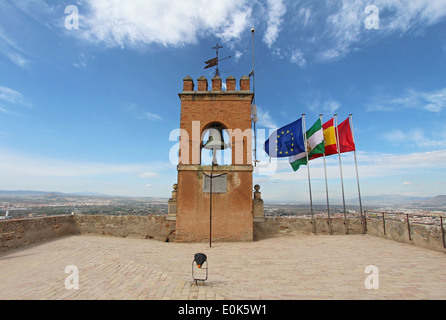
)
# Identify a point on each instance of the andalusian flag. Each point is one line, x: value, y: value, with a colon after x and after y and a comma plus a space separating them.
x: 329, y: 140
x: 315, y: 145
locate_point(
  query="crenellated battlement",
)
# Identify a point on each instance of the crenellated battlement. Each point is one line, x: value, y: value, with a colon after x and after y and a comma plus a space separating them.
x: 216, y: 84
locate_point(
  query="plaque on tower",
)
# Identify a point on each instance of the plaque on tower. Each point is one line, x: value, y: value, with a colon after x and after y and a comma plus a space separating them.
x: 219, y: 184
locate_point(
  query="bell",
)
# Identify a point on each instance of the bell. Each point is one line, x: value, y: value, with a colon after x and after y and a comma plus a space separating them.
x: 215, y: 141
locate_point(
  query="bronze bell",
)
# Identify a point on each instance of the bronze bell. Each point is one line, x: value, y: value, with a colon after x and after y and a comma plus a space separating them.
x: 215, y: 141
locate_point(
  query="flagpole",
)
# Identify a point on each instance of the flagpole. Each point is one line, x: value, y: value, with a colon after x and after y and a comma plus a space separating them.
x: 357, y: 178
x: 308, y: 169
x: 340, y: 167
x: 254, y: 97
x: 326, y: 184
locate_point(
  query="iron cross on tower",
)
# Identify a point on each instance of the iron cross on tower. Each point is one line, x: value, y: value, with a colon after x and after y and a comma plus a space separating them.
x: 214, y: 62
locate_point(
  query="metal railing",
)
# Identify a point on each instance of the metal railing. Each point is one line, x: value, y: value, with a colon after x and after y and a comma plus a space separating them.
x: 409, y: 219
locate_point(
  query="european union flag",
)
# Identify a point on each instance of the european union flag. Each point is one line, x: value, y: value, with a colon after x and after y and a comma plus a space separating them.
x: 287, y: 141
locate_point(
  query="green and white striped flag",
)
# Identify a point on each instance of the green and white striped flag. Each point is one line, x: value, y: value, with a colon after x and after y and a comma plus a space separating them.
x: 315, y: 145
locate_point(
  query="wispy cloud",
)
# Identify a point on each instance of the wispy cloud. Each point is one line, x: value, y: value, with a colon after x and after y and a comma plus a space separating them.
x: 370, y: 165
x: 330, y: 30
x: 82, y: 60
x: 433, y: 101
x: 19, y: 60
x: 4, y: 110
x: 21, y: 170
x: 11, y: 50
x: 139, y: 113
x: 373, y: 168
x: 147, y: 175
x: 417, y: 137
x: 298, y: 57
x: 13, y: 163
x: 326, y: 106
x: 10, y: 98
x: 276, y: 10
x: 151, y: 116
x: 10, y: 95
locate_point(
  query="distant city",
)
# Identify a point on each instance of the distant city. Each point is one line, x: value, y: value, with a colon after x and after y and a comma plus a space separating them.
x: 29, y: 204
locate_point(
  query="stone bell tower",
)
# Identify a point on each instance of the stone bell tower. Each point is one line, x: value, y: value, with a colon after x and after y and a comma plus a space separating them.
x: 214, y: 200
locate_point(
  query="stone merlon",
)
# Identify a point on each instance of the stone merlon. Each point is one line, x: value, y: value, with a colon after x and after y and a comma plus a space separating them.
x: 216, y: 84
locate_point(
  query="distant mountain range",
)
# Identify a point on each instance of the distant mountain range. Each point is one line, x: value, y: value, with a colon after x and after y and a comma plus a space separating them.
x: 396, y: 200
x: 388, y: 199
x: 392, y: 200
x: 31, y: 193
x: 438, y: 201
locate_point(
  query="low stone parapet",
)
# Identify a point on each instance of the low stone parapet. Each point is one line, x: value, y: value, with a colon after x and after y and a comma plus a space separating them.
x: 17, y: 233
x: 143, y: 227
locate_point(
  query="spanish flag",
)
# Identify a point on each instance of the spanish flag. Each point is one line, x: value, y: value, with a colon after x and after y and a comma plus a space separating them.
x: 345, y: 138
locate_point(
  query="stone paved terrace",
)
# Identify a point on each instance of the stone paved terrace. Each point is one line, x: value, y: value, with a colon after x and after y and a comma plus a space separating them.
x: 281, y: 268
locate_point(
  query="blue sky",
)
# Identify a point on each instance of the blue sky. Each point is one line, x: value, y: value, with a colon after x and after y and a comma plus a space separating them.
x: 92, y: 108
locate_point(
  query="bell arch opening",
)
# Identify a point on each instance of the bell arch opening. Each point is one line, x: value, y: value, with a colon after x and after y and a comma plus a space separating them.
x: 215, y: 145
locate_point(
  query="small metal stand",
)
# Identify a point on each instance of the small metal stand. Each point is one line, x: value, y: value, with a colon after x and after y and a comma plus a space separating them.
x: 199, y: 277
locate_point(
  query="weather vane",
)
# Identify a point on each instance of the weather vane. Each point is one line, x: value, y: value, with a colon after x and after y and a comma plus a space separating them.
x: 214, y: 62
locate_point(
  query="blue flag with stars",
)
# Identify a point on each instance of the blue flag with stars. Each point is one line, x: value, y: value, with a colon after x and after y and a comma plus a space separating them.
x: 286, y: 141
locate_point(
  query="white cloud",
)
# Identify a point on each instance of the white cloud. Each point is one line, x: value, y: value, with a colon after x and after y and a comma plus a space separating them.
x: 436, y: 101
x: 298, y: 57
x: 265, y: 119
x: 147, y: 175
x: 324, y: 31
x: 276, y: 10
x: 169, y: 23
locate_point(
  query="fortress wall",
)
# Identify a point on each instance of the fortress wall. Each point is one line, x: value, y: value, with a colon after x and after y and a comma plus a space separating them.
x: 275, y: 226
x: 421, y: 235
x: 18, y: 233
x: 143, y: 227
